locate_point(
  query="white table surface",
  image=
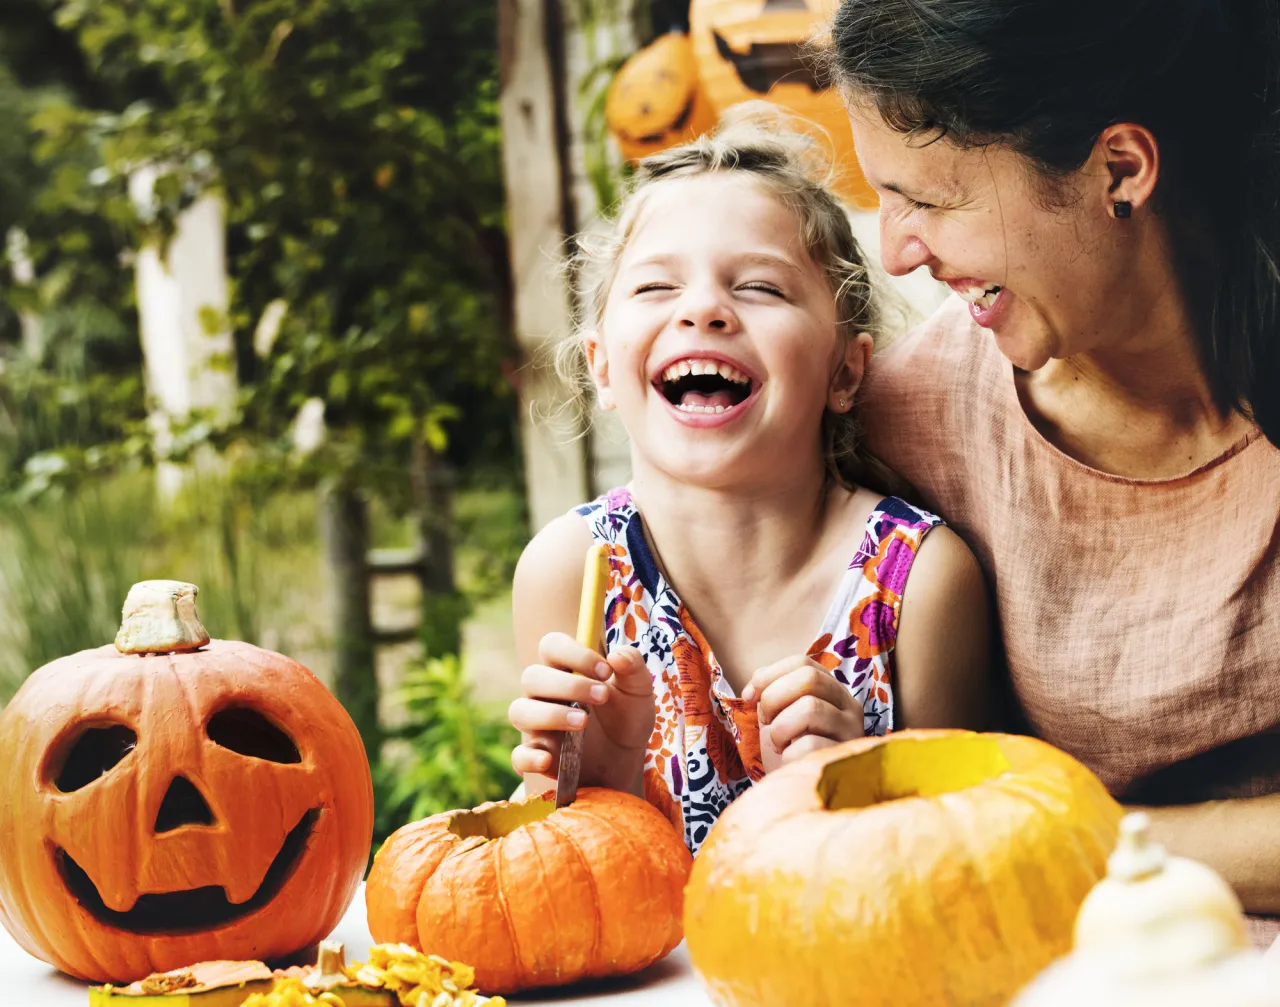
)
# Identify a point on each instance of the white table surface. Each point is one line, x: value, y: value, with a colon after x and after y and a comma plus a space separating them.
x: 669, y: 983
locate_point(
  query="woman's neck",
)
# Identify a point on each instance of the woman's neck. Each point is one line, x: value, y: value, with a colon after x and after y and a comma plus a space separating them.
x: 1140, y: 404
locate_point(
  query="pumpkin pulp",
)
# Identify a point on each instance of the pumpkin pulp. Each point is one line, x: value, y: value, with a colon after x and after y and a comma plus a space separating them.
x: 926, y: 767
x: 500, y: 820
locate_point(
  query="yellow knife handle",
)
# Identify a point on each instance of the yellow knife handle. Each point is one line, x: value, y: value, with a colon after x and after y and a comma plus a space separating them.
x: 595, y: 582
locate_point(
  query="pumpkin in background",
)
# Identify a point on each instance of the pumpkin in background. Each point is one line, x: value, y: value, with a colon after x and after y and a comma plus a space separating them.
x: 532, y: 895
x: 1158, y: 931
x: 655, y: 100
x: 174, y: 799
x: 753, y: 49
x: 923, y: 868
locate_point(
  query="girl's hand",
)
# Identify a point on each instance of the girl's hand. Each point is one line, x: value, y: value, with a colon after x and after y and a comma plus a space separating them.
x: 619, y: 691
x: 803, y: 707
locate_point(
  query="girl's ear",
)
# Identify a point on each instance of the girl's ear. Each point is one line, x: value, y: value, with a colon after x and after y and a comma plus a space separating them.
x: 598, y: 365
x: 850, y: 370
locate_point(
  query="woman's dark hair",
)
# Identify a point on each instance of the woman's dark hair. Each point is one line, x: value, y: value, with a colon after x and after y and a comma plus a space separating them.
x: 1046, y: 77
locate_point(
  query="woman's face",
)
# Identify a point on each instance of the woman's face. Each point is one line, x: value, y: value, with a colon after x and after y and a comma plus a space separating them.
x: 1051, y: 278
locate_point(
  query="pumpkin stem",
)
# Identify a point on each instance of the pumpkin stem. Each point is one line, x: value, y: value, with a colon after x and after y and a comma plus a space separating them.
x: 1136, y: 855
x: 331, y: 962
x: 159, y: 617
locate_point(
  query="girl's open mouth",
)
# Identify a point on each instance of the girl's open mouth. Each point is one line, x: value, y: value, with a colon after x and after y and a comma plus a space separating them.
x: 699, y: 386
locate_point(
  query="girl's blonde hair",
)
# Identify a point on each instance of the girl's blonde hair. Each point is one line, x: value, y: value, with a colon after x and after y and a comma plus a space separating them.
x: 763, y: 141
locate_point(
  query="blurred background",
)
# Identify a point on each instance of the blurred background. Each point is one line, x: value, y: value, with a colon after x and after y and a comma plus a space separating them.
x: 279, y: 278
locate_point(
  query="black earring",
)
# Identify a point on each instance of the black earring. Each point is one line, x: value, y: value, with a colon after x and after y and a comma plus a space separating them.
x: 1123, y: 210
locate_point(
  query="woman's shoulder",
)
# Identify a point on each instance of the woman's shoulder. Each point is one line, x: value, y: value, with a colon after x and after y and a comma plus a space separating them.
x: 929, y: 398
x: 940, y: 355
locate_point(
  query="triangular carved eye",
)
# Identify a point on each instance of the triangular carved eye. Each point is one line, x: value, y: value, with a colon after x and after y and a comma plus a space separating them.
x: 250, y: 733
x: 92, y: 755
x: 183, y: 804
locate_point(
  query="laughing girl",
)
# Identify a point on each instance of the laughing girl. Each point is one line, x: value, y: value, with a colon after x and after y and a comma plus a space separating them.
x: 762, y: 605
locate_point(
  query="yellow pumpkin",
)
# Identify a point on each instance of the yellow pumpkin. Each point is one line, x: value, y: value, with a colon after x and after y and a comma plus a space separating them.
x: 919, y: 869
x: 1158, y: 931
x: 655, y: 100
x: 753, y: 49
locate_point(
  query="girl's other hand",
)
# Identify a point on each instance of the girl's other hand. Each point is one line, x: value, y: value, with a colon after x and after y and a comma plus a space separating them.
x: 618, y: 690
x: 803, y: 707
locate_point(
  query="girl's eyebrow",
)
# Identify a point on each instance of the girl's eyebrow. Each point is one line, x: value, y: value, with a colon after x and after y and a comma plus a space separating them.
x: 755, y: 258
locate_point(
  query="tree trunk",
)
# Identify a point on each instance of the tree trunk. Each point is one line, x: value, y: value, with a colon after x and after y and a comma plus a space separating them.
x: 443, y: 607
x: 355, y: 680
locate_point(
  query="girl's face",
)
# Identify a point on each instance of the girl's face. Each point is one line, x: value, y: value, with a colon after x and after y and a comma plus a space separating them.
x: 1050, y: 281
x: 718, y: 343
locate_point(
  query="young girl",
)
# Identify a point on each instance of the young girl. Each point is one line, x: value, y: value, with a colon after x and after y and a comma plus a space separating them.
x: 757, y: 608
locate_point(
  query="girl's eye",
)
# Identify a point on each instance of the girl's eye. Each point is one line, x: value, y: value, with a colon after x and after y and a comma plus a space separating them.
x: 768, y: 288
x: 645, y: 287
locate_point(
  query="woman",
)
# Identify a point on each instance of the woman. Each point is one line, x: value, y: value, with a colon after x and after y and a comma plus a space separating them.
x: 1098, y: 411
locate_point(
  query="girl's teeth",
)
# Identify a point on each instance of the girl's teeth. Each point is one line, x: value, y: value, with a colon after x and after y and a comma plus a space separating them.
x: 700, y: 409
x: 684, y: 368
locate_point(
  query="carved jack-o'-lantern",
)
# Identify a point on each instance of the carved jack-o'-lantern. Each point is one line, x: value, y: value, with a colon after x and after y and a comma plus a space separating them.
x: 655, y: 100
x: 758, y: 49
x: 175, y: 799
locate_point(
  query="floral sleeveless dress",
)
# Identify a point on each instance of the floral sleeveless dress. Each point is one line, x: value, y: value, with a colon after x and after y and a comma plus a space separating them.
x: 705, y: 748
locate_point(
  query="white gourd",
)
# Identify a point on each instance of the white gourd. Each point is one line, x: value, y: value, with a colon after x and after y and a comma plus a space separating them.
x: 1157, y: 931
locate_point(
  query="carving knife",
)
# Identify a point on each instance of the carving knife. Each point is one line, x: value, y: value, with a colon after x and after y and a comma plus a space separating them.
x: 595, y: 582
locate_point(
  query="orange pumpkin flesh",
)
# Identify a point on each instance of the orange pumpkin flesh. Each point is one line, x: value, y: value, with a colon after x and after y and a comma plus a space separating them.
x: 158, y: 810
x: 535, y: 896
x: 926, y: 868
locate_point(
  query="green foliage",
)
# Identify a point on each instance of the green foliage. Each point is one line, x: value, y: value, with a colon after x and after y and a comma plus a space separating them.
x: 69, y: 557
x: 454, y: 755
x: 356, y: 143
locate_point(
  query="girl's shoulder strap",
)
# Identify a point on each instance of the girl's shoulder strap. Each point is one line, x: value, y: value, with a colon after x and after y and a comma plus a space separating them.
x: 893, y: 514
x: 609, y: 516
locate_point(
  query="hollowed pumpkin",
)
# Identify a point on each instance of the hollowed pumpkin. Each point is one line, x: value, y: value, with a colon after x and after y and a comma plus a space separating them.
x: 760, y: 49
x: 924, y: 868
x: 175, y: 799
x: 532, y: 895
x: 655, y: 100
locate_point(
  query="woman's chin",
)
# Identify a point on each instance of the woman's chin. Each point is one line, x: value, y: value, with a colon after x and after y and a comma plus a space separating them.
x: 1022, y: 353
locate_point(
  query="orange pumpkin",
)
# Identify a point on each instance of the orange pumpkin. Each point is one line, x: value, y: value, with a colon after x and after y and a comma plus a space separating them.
x: 753, y: 49
x: 924, y: 868
x: 534, y: 896
x: 655, y: 100
x: 175, y: 799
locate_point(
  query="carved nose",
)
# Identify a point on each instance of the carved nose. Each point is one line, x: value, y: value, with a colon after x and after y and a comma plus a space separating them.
x: 183, y: 804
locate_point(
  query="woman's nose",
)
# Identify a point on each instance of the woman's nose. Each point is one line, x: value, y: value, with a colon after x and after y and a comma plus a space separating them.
x: 901, y: 249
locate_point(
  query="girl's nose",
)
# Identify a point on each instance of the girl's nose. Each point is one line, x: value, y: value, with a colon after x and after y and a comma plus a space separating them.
x: 901, y: 249
x: 704, y: 311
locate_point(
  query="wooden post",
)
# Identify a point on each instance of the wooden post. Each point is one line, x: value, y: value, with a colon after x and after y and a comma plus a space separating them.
x: 355, y: 682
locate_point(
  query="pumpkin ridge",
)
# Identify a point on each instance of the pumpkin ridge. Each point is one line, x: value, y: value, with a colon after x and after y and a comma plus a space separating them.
x: 598, y: 934
x: 500, y: 873
x: 613, y: 827
x: 542, y: 870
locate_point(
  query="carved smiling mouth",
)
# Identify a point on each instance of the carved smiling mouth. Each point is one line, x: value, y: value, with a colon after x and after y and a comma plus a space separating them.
x: 196, y: 908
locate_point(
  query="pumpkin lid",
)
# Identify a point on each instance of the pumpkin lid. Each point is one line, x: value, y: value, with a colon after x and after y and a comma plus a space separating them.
x: 198, y: 978
x: 159, y: 617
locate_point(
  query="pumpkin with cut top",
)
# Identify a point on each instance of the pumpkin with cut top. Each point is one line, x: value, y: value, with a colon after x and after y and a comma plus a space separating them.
x: 534, y: 895
x: 176, y: 799
x: 921, y: 868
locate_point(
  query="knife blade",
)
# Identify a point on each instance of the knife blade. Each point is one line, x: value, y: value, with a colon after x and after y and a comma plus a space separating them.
x: 595, y: 582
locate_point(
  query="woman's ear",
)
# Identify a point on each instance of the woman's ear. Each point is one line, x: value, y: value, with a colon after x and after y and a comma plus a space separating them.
x: 850, y: 370
x: 1131, y: 157
x: 598, y: 365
